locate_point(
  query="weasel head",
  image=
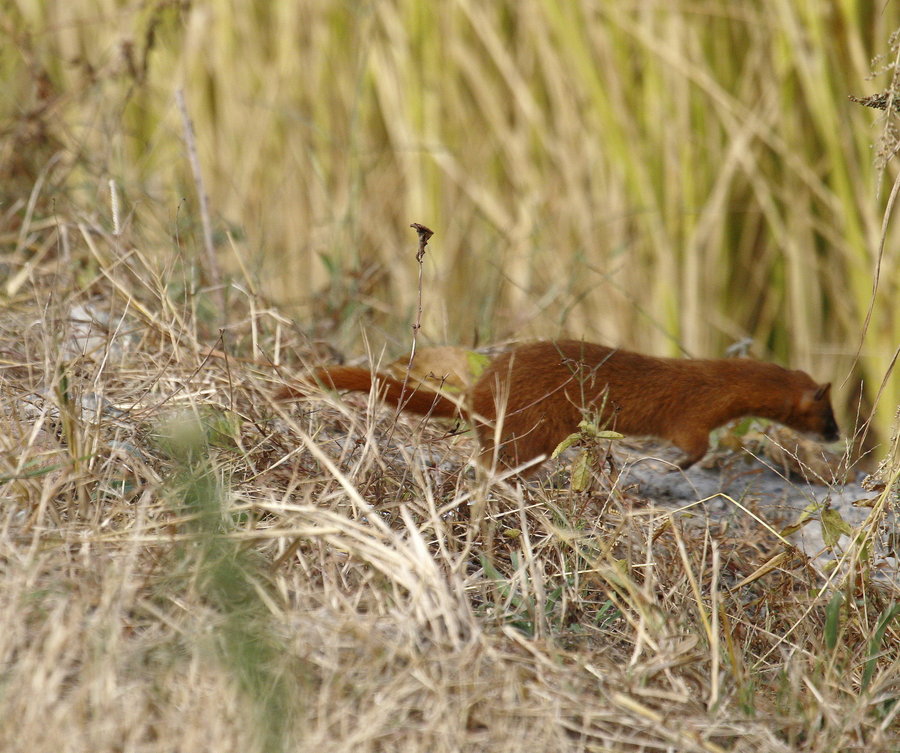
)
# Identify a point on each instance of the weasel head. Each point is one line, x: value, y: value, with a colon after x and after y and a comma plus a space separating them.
x: 813, y: 413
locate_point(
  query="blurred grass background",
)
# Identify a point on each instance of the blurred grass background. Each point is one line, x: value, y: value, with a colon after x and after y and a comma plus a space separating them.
x: 669, y: 176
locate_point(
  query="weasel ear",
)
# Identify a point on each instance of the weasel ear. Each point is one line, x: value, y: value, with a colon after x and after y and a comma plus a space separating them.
x: 823, y: 391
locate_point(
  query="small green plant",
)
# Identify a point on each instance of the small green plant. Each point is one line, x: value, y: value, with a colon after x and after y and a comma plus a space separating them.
x: 594, y: 443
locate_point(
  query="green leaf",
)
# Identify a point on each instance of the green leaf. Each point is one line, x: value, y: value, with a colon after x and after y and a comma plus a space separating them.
x: 565, y: 445
x: 833, y: 525
x: 581, y: 472
x: 223, y: 427
x: 591, y: 429
x: 833, y: 620
x: 478, y: 362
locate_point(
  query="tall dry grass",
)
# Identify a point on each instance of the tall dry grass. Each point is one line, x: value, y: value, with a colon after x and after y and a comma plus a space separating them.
x: 663, y: 175
x: 185, y: 565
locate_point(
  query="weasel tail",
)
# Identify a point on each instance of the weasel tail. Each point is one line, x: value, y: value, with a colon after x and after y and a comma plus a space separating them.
x: 413, y: 399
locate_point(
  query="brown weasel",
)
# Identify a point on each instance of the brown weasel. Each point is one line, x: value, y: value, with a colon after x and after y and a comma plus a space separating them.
x: 529, y: 399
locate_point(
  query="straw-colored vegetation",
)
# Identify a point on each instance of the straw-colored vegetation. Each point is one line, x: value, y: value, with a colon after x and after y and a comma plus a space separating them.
x: 186, y: 565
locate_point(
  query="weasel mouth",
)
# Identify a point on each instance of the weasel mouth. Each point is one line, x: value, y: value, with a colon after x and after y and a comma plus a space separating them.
x: 830, y: 433
x: 826, y: 436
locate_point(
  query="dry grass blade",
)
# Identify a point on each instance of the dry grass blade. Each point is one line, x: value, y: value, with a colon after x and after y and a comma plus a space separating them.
x: 187, y: 565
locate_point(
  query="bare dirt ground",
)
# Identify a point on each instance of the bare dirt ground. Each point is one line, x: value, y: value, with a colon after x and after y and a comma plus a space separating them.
x: 730, y: 485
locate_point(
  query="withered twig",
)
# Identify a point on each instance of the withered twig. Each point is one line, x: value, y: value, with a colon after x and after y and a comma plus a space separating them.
x: 424, y: 234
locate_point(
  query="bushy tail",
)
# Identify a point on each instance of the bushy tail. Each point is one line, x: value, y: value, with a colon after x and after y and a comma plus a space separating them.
x: 414, y: 399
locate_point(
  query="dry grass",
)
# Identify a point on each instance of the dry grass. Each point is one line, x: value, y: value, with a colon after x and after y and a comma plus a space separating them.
x: 185, y: 565
x: 192, y: 567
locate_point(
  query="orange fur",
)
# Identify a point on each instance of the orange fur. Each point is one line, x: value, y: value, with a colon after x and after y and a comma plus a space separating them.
x: 529, y: 399
x: 413, y: 398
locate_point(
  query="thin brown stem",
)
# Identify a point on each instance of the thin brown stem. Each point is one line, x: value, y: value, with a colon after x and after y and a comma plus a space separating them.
x: 424, y: 235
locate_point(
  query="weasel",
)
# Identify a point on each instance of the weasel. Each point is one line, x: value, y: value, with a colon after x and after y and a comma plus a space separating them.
x: 531, y: 398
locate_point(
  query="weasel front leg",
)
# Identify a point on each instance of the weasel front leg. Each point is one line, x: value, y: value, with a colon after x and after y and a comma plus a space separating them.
x: 694, y: 447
